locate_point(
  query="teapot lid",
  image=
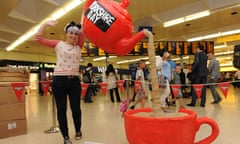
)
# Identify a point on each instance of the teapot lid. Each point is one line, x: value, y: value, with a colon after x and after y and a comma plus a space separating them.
x: 121, y: 8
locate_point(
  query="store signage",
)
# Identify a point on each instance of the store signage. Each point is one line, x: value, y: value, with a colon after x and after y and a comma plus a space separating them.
x: 101, y: 69
x: 24, y: 66
x: 99, y: 16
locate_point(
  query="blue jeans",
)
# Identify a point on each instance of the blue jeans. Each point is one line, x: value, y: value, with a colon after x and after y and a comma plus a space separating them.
x: 62, y: 86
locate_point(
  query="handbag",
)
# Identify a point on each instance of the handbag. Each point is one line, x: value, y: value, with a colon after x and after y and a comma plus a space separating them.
x: 86, y: 78
x: 124, y: 105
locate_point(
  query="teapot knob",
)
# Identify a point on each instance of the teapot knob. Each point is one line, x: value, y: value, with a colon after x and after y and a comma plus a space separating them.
x: 125, y: 3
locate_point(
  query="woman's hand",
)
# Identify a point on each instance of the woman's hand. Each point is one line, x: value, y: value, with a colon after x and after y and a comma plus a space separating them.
x: 51, y: 23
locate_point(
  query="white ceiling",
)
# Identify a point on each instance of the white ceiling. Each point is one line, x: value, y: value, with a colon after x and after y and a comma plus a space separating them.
x: 18, y: 16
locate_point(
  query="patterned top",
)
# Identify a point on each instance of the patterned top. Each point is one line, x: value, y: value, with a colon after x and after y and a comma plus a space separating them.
x: 68, y: 56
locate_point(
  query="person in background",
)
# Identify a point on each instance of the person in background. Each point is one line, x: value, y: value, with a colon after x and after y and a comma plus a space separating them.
x: 164, y: 71
x: 192, y: 77
x: 140, y: 76
x: 237, y: 78
x: 111, y: 78
x: 183, y: 79
x: 140, y: 92
x: 87, y: 78
x: 199, y: 68
x: 66, y: 81
x: 214, y: 75
x: 177, y: 79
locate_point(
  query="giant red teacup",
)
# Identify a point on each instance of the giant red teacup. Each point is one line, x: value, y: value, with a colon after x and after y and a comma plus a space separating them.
x: 108, y: 25
x: 167, y: 130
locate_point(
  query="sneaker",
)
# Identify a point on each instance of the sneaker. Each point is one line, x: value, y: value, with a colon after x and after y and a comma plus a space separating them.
x: 67, y: 140
x: 78, y: 135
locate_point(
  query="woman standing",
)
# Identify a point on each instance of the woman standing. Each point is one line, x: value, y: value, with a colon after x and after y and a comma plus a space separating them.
x: 110, y: 77
x: 66, y: 75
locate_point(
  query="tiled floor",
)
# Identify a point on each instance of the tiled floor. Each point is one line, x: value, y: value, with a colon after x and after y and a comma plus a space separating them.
x: 102, y: 121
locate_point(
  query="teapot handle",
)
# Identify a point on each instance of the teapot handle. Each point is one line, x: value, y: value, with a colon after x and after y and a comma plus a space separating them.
x: 125, y: 3
x: 214, y: 133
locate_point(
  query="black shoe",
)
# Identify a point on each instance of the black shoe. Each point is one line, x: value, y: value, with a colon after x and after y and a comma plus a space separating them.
x: 214, y: 102
x: 202, y: 105
x: 219, y: 100
x: 191, y: 105
x: 67, y: 140
x: 132, y: 107
x: 78, y: 135
x: 88, y: 101
x: 119, y: 101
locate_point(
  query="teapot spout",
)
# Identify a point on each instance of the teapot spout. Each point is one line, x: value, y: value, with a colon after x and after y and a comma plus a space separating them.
x: 126, y: 45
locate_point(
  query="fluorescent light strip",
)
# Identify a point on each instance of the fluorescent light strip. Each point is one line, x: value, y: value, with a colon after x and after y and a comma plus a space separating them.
x: 220, y: 46
x: 176, y: 59
x: 133, y: 60
x: 103, y: 58
x: 173, y: 22
x: 223, y: 53
x: 214, y: 35
x: 186, y: 18
x: 197, y: 15
x: 227, y: 64
x: 56, y: 15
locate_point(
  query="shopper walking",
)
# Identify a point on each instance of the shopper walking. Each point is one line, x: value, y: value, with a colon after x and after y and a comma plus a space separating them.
x: 144, y: 86
x: 66, y: 75
x: 199, y: 67
x: 141, y: 95
x: 164, y: 77
x: 214, y: 75
x: 111, y: 78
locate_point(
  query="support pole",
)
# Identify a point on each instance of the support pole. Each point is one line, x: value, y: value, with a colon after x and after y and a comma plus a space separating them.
x: 54, y: 128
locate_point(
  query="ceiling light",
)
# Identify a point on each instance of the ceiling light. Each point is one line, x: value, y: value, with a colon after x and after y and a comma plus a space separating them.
x: 103, y: 58
x: 214, y: 35
x: 227, y: 64
x: 195, y: 39
x: 186, y: 18
x: 223, y: 53
x: 230, y: 32
x: 197, y: 15
x: 56, y: 15
x: 220, y: 46
x: 177, y: 59
x: 173, y: 22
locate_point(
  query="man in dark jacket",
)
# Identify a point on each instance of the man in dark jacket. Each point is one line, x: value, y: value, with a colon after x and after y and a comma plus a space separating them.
x: 199, y: 68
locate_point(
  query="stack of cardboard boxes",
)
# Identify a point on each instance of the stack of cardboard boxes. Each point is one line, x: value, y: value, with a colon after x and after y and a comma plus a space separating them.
x: 12, y: 108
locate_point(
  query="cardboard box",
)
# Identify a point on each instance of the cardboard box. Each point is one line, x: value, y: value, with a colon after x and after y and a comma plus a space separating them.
x: 12, y: 111
x: 13, y: 128
x: 8, y: 96
x: 14, y: 75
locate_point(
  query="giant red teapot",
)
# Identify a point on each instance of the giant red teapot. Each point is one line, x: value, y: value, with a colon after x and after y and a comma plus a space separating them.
x: 108, y: 25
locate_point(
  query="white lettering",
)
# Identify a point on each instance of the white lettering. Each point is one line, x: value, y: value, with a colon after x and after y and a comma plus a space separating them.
x: 96, y: 12
x: 101, y: 69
